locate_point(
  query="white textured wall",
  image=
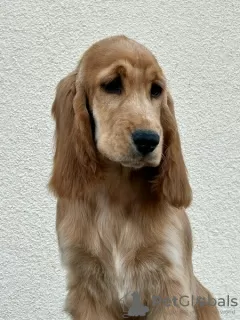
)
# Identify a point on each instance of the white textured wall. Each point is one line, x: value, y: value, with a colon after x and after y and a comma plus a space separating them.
x: 197, y: 43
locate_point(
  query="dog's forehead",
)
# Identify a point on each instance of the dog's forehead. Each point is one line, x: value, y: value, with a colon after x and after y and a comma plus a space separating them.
x: 111, y: 50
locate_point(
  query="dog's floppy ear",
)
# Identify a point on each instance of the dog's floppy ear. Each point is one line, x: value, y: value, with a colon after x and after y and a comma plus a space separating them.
x: 74, y: 166
x: 172, y: 177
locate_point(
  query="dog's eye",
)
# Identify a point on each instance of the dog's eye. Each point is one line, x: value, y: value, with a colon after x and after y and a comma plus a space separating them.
x: 156, y: 90
x: 114, y: 86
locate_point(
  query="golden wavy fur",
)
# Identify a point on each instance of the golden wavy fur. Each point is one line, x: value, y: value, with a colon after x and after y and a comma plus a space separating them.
x: 122, y: 186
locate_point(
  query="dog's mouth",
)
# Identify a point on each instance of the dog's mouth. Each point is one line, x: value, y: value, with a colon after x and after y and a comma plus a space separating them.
x: 132, y: 158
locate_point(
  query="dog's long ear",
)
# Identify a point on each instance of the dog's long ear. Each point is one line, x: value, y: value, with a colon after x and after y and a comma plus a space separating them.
x: 74, y: 166
x: 172, y: 178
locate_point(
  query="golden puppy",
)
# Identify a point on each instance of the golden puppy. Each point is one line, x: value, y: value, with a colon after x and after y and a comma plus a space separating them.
x: 122, y: 186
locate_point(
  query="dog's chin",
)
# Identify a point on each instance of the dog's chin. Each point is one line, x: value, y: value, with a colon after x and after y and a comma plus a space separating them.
x: 132, y: 165
x: 135, y: 165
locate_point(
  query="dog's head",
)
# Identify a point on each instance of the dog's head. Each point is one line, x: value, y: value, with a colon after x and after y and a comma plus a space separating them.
x: 116, y: 106
x: 125, y: 88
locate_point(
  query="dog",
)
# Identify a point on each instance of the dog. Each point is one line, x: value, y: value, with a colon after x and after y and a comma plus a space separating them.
x: 122, y: 188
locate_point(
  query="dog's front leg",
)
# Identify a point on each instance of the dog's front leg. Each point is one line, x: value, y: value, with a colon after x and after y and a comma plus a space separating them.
x: 81, y: 306
x: 91, y: 295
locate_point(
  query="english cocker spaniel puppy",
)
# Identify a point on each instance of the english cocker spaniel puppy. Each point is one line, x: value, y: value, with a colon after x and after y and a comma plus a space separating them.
x: 122, y: 189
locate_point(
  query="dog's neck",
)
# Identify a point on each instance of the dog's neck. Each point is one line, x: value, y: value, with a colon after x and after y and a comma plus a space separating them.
x: 118, y: 183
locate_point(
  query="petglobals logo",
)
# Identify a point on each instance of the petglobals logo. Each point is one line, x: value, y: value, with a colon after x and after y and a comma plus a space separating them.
x: 132, y: 305
x: 185, y: 301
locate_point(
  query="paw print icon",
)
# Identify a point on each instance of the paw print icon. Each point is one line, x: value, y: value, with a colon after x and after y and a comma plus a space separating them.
x: 137, y: 308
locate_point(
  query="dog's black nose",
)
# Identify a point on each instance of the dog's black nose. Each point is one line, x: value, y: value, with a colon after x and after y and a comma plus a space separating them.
x: 145, y: 140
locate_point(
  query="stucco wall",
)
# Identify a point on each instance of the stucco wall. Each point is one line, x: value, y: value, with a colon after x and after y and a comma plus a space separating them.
x: 197, y: 43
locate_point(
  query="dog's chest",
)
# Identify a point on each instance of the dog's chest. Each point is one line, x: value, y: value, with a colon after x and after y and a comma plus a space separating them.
x: 121, y: 237
x: 137, y: 251
x: 123, y: 281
